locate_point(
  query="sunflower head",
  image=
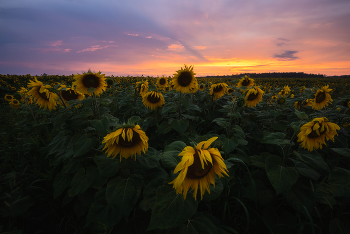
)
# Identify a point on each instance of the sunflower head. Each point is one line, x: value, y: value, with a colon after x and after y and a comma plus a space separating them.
x: 322, y: 98
x: 253, y: 96
x: 109, y: 82
x: 245, y: 81
x: 218, y: 90
x: 71, y: 94
x: 144, y: 88
x: 8, y: 97
x: 298, y: 104
x: 162, y: 82
x: 87, y: 81
x: 315, y: 133
x: 41, y: 94
x: 281, y: 100
x: 184, y: 80
x: 230, y: 91
x: 152, y: 100
x: 126, y: 141
x: 201, y: 87
x: 198, y: 168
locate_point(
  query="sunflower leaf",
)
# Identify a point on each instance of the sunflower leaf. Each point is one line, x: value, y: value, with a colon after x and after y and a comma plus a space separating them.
x: 170, y: 209
x: 313, y: 159
x: 275, y: 138
x: 133, y: 120
x: 339, y: 179
x: 342, y: 151
x: 301, y: 115
x: 180, y: 125
x: 200, y: 224
x: 91, y: 90
x: 81, y: 181
x: 282, y: 178
x: 107, y: 166
x: 168, y: 108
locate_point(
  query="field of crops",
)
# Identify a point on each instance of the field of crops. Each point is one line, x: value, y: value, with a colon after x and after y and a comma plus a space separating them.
x: 93, y: 154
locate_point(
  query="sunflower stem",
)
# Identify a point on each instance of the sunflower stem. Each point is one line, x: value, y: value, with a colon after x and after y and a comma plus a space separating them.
x: 180, y: 106
x: 64, y: 104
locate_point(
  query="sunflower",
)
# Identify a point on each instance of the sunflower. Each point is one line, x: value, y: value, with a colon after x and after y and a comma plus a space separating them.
x: 308, y: 102
x: 284, y: 91
x: 274, y: 98
x: 198, y: 167
x: 302, y: 89
x: 41, y: 95
x: 253, y: 96
x: 322, y: 97
x: 230, y: 91
x: 184, y: 80
x: 14, y: 103
x: 8, y: 97
x: 90, y: 80
x: 126, y: 141
x: 298, y: 104
x: 13, y: 88
x: 313, y: 134
x: 162, y: 82
x: 218, y: 90
x: 201, y: 87
x: 245, y: 81
x: 71, y: 94
x: 152, y: 100
x: 281, y: 100
x: 144, y: 88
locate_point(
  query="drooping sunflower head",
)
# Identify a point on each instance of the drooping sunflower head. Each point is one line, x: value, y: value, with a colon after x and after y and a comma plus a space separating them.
x: 218, y: 90
x: 253, y: 96
x: 201, y: 87
x: 8, y: 97
x: 322, y: 98
x: 162, y: 82
x: 23, y: 91
x: 41, y: 94
x: 346, y: 103
x: 126, y: 141
x: 245, y: 81
x: 109, y: 82
x: 230, y: 91
x: 71, y: 94
x: 184, y: 80
x: 144, y: 88
x: 307, y: 102
x: 315, y: 133
x: 198, y: 168
x: 152, y: 100
x: 89, y: 80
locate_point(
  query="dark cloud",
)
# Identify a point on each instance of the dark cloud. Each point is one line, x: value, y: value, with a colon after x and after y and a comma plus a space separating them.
x: 287, y: 55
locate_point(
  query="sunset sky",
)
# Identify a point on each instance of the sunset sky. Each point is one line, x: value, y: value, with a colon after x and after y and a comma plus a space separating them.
x: 157, y: 37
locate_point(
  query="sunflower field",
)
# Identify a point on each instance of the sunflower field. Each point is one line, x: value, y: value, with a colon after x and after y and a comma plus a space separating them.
x: 181, y: 154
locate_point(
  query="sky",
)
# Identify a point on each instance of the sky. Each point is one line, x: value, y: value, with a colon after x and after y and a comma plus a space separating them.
x: 157, y: 37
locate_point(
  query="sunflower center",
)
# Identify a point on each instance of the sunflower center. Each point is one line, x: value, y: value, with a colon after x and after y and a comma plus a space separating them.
x: 218, y: 89
x: 229, y: 91
x: 152, y: 98
x: 134, y: 141
x: 69, y: 95
x: 201, y: 86
x: 321, y: 96
x: 162, y: 81
x: 91, y: 81
x: 314, y: 134
x: 8, y: 97
x: 245, y: 82
x: 43, y: 96
x: 185, y: 78
x: 252, y: 96
x: 195, y: 171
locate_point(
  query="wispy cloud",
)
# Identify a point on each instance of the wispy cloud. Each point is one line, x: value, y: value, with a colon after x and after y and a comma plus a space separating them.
x: 95, y: 47
x: 287, y: 55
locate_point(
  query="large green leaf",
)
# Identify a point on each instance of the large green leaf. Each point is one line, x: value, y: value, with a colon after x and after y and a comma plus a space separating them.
x: 124, y: 193
x: 107, y: 166
x: 168, y: 108
x: 301, y: 115
x: 342, y: 151
x: 313, y: 159
x: 170, y: 157
x: 200, y: 224
x: 305, y: 170
x: 171, y: 209
x: 101, y: 125
x: 61, y: 182
x: 230, y: 144
x: 180, y: 125
x: 81, y: 181
x: 282, y: 178
x: 84, y: 145
x: 214, y: 192
x: 339, y: 179
x: 276, y: 138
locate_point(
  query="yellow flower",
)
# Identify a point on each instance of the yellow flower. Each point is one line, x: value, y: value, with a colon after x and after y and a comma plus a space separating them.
x: 322, y: 97
x: 14, y: 103
x: 90, y: 80
x: 152, y: 100
x: 184, y: 80
x: 41, y: 95
x: 201, y: 87
x: 8, y: 97
x: 245, y: 81
x: 126, y: 141
x: 284, y: 91
x: 162, y: 82
x: 71, y: 94
x: 144, y: 88
x: 313, y: 134
x: 253, y: 96
x: 218, y: 90
x: 198, y: 167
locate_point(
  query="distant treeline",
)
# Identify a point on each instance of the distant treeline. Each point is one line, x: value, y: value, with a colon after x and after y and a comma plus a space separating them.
x: 280, y: 75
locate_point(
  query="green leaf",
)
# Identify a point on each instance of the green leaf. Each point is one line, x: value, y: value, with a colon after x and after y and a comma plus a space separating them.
x: 301, y: 115
x: 164, y: 127
x: 222, y: 122
x: 281, y: 178
x: 61, y: 182
x: 185, y: 101
x: 230, y: 144
x: 313, y: 159
x: 81, y: 181
x: 342, y: 151
x: 84, y: 145
x: 200, y: 224
x: 168, y: 108
x: 274, y: 113
x: 91, y: 89
x: 337, y: 227
x: 107, y: 166
x: 305, y: 170
x: 339, y: 179
x: 83, y: 114
x: 180, y: 125
x: 124, y: 193
x: 175, y: 146
x: 101, y: 125
x: 275, y: 138
x: 259, y: 160
x: 133, y: 120
x: 147, y: 161
x: 171, y: 209
x: 106, y: 101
